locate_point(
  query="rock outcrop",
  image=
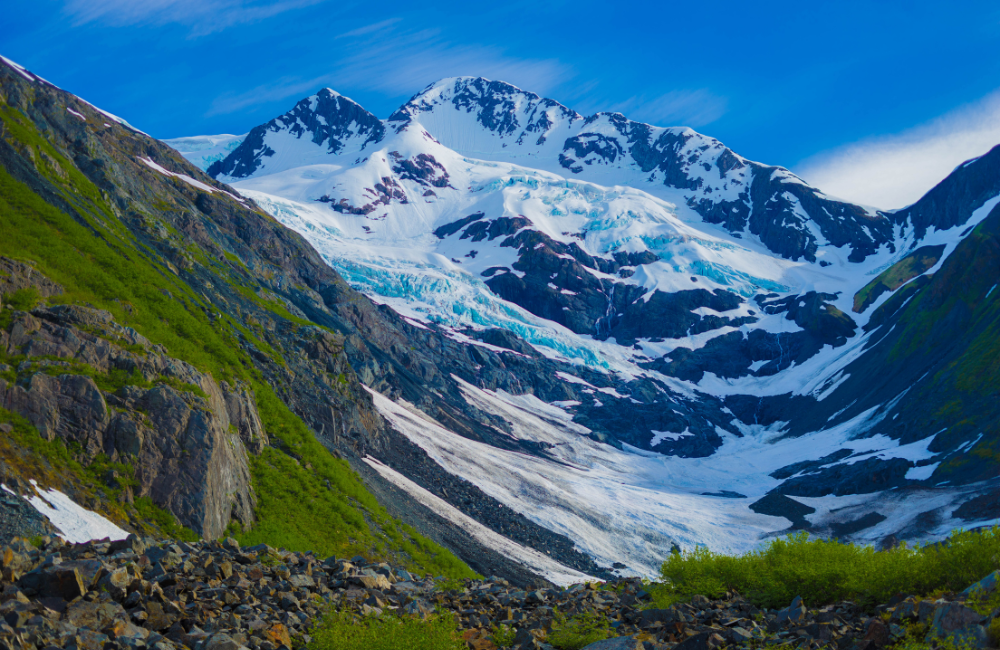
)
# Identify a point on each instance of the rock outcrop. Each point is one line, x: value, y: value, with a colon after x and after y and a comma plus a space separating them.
x: 104, y: 389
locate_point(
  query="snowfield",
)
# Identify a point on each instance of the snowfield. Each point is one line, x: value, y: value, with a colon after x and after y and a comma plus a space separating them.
x: 630, y: 505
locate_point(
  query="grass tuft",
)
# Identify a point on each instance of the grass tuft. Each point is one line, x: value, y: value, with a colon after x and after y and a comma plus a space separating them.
x: 827, y: 571
x: 344, y: 631
x: 579, y: 631
x: 23, y: 299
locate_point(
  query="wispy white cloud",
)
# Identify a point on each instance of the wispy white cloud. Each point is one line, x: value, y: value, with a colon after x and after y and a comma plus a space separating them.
x: 263, y: 94
x: 692, y: 108
x: 894, y: 171
x: 398, y: 63
x: 409, y: 61
x: 202, y: 16
x: 369, y: 29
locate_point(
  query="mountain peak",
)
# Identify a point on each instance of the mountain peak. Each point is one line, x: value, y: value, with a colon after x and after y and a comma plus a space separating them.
x: 333, y: 123
x: 499, y: 106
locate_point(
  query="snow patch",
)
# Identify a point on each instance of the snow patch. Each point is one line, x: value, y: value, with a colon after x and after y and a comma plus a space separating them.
x: 74, y: 523
x: 187, y: 179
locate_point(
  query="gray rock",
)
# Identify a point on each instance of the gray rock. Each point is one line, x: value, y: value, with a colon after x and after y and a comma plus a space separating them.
x: 985, y: 586
x: 877, y: 635
x: 58, y: 582
x: 702, y: 641
x: 647, y: 617
x: 618, y: 643
x: 794, y: 613
x: 222, y: 642
x: 950, y: 618
x: 302, y: 581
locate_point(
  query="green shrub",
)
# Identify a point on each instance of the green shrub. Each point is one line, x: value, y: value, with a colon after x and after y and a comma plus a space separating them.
x: 166, y: 521
x: 449, y: 584
x: 916, y: 639
x: 983, y: 602
x: 344, y: 631
x: 23, y: 299
x: 827, y: 571
x: 503, y: 635
x: 578, y: 631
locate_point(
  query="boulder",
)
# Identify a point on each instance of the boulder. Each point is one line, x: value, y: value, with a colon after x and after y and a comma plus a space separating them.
x: 985, y: 586
x: 958, y: 622
x: 702, y: 641
x: 877, y: 634
x: 618, y: 643
x: 371, y: 582
x: 56, y: 581
x: 794, y: 613
x: 94, y: 615
x: 648, y: 617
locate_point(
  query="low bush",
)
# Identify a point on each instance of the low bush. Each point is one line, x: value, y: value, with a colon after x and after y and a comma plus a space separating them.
x: 344, y: 631
x: 166, y: 521
x: 579, y: 631
x: 23, y: 299
x: 916, y: 639
x: 827, y: 571
x: 503, y: 636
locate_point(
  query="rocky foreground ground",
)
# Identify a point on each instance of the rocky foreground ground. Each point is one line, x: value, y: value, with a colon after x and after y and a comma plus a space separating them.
x: 138, y: 593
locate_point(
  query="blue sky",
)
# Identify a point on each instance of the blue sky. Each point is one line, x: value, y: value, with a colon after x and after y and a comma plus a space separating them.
x: 869, y: 100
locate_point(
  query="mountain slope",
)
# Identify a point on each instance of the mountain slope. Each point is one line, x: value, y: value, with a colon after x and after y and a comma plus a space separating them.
x: 94, y: 207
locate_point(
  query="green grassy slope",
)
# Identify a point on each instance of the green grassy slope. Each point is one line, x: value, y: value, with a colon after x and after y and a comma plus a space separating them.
x: 897, y: 275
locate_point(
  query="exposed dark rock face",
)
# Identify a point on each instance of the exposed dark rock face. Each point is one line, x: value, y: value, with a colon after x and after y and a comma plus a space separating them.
x: 381, y: 193
x: 779, y: 505
x: 327, y: 119
x: 984, y: 506
x: 422, y: 168
x: 789, y: 471
x: 862, y: 477
x: 588, y: 148
x: 952, y: 201
x: 732, y: 354
x: 188, y: 449
x: 850, y: 527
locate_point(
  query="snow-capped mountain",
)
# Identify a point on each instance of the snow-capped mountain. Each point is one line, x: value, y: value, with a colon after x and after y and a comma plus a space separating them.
x: 678, y: 345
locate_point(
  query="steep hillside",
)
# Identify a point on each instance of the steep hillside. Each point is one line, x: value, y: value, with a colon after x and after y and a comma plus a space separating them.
x: 158, y: 361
